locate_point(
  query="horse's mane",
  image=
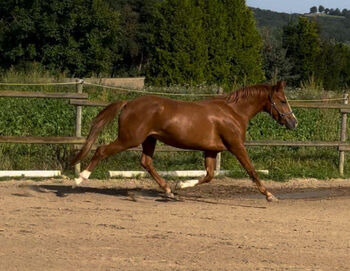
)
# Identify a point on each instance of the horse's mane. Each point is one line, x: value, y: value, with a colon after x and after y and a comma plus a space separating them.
x: 246, y: 92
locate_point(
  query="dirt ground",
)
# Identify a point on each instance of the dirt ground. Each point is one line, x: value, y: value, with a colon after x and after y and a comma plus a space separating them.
x: 128, y: 225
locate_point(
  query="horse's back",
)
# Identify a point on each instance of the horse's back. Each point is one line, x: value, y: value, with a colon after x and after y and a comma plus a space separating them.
x: 165, y: 107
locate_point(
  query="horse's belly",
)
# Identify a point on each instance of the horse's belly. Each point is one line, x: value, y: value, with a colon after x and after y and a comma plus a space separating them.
x: 191, y: 143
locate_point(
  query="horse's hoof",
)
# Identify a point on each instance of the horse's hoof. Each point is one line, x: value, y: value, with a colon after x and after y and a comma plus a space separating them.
x: 83, y: 176
x: 271, y: 198
x: 77, y: 182
x: 169, y: 195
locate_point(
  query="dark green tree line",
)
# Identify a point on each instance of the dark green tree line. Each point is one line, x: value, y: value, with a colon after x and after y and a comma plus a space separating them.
x: 135, y: 32
x: 76, y: 36
x: 179, y: 53
x: 172, y: 41
x: 302, y: 41
x: 333, y: 68
x: 207, y: 41
x: 327, y: 61
x: 276, y: 64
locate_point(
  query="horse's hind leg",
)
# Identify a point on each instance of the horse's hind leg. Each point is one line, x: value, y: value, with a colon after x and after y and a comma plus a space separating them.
x: 210, y: 159
x: 101, y: 153
x: 210, y: 163
x: 147, y: 163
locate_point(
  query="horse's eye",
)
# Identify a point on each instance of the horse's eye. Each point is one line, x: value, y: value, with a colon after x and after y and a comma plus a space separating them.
x: 283, y: 102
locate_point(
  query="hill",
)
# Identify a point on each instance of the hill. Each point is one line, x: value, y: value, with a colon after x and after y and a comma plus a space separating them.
x: 331, y: 27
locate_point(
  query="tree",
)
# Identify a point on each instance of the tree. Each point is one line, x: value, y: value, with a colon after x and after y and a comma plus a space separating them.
x: 345, y: 12
x: 276, y: 65
x: 337, y: 12
x: 205, y: 41
x: 245, y: 54
x: 218, y: 41
x: 321, y: 9
x: 326, y: 10
x: 302, y: 41
x: 313, y: 9
x: 334, y: 65
x: 77, y: 36
x: 135, y: 17
x: 179, y: 53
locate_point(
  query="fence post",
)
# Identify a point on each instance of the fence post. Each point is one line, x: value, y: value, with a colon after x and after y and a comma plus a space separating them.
x: 78, y: 118
x: 218, y: 162
x: 343, y: 138
x: 218, y: 157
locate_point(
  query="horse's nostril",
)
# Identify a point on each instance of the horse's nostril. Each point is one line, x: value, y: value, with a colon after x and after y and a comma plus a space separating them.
x: 291, y: 123
x: 295, y: 122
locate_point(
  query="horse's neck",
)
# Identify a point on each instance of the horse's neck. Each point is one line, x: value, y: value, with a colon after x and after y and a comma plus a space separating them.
x: 248, y: 107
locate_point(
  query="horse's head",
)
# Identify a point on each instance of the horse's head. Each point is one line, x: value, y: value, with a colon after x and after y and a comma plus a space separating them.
x: 278, y: 107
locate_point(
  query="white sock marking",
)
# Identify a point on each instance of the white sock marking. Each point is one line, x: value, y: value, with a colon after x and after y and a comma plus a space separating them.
x: 85, y: 174
x: 82, y: 176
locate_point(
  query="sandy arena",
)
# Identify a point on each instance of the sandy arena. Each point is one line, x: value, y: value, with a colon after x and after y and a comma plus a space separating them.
x: 128, y: 225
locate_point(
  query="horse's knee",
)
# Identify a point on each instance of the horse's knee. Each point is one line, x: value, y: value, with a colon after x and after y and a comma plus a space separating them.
x: 145, y: 162
x: 103, y: 152
x: 99, y: 152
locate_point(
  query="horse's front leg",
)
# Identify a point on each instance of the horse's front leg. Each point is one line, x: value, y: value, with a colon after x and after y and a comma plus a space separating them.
x: 210, y: 162
x: 240, y: 152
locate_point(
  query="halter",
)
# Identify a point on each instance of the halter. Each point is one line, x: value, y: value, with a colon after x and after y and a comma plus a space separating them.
x: 280, y: 114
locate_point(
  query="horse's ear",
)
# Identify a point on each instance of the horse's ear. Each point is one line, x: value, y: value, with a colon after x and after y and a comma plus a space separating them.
x: 280, y: 85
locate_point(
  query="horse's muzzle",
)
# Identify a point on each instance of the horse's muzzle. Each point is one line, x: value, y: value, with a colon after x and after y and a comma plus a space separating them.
x: 291, y: 123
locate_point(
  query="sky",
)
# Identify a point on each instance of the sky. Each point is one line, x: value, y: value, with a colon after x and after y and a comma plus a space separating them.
x: 297, y: 6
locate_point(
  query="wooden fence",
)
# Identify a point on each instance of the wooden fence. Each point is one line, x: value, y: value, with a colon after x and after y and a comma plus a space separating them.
x: 80, y: 99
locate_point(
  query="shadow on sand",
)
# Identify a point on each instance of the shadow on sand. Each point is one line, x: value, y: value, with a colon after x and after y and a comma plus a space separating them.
x: 195, y: 195
x: 65, y: 190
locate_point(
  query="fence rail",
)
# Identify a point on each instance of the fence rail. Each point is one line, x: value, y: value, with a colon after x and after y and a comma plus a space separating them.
x: 345, y: 108
x: 42, y: 140
x: 36, y: 94
x: 320, y: 105
x: 88, y: 103
x: 249, y: 143
x: 80, y: 99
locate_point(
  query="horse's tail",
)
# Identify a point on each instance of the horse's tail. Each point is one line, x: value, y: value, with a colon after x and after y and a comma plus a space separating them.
x: 100, y: 121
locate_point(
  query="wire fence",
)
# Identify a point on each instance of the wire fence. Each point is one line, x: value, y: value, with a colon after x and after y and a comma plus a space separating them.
x: 80, y: 81
x: 38, y: 84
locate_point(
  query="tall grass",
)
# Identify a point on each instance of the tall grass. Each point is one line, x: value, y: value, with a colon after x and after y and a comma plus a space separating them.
x: 50, y: 117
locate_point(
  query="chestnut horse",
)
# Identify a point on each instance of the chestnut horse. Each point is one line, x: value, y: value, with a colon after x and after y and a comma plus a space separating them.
x: 212, y: 126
